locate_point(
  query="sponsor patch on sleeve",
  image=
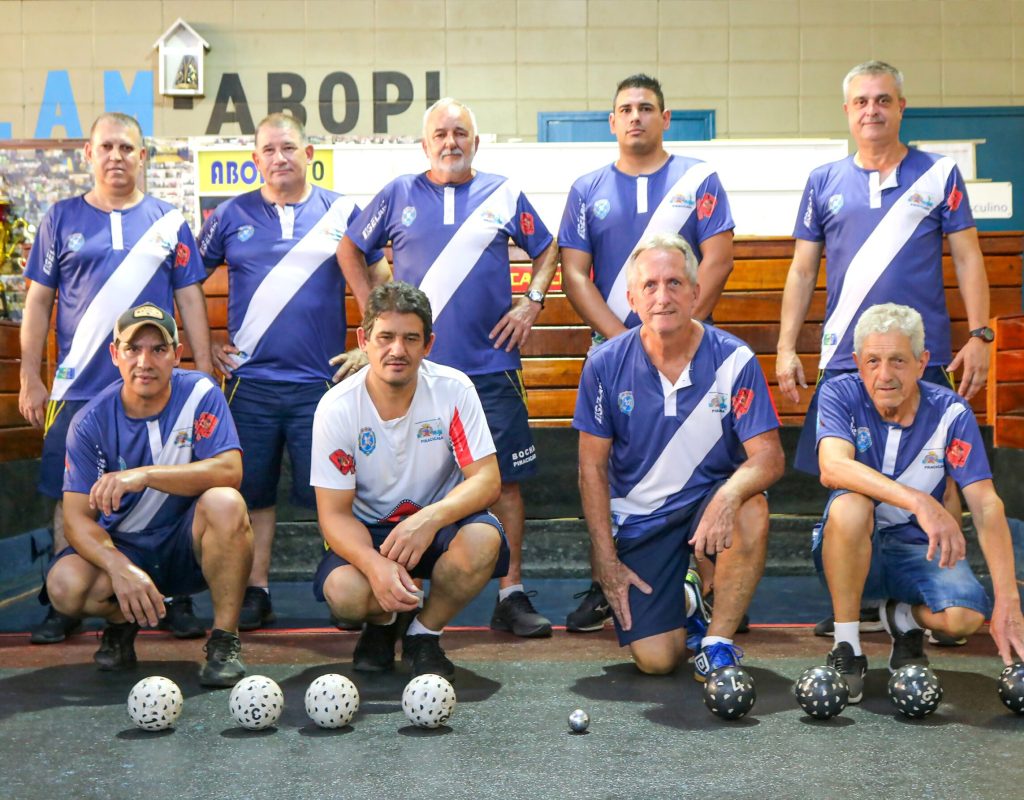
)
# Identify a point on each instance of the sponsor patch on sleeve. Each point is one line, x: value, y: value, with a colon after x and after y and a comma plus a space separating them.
x: 706, y: 206
x: 343, y: 462
x: 181, y: 254
x: 526, y: 223
x: 741, y: 402
x: 205, y: 425
x: 957, y: 453
x: 955, y: 198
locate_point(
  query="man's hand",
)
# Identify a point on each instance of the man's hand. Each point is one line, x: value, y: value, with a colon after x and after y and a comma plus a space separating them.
x: 717, y: 526
x: 615, y: 579
x: 790, y: 371
x: 107, y: 492
x: 348, y: 363
x: 943, y: 532
x: 392, y: 586
x: 408, y: 540
x: 1007, y: 629
x: 32, y: 400
x: 137, y: 595
x: 514, y: 328
x: 221, y: 355
x: 973, y: 357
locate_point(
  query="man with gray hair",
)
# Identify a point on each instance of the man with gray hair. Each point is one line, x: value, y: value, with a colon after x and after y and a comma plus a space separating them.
x: 679, y: 440
x: 449, y: 229
x: 887, y: 440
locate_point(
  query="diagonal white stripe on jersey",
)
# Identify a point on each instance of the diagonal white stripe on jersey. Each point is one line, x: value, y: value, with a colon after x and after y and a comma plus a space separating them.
x: 171, y: 453
x: 121, y: 289
x: 290, y: 274
x: 878, y: 251
x: 665, y: 219
x: 687, y: 448
x: 917, y: 475
x: 467, y: 244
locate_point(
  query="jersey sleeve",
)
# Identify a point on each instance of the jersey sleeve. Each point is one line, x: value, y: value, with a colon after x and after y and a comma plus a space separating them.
x: 188, y: 266
x: 374, y: 255
x: 468, y: 432
x: 591, y: 416
x: 84, y: 461
x: 44, y: 256
x: 213, y: 429
x: 753, y: 411
x: 713, y: 213
x: 966, y: 460
x: 808, y: 220
x: 528, y: 229
x: 369, y: 230
x: 835, y: 417
x: 333, y: 462
x: 211, y: 238
x: 573, y: 230
x: 956, y: 208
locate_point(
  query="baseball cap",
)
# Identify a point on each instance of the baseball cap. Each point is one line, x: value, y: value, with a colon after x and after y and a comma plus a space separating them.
x: 146, y: 314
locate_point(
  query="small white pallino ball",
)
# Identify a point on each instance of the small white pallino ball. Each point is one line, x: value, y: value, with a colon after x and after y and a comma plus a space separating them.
x: 155, y: 703
x: 256, y: 702
x: 428, y: 701
x: 332, y: 700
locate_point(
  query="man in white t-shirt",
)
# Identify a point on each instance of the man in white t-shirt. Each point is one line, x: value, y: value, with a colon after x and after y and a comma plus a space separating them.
x: 404, y: 468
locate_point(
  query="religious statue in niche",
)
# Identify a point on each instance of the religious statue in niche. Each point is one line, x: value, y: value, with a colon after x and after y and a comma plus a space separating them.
x: 187, y: 76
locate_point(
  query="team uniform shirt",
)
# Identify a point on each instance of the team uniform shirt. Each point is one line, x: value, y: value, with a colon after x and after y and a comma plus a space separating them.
x: 193, y: 426
x: 398, y: 466
x: 671, y: 443
x: 101, y: 263
x: 608, y: 213
x: 452, y: 242
x: 286, y: 295
x: 883, y: 243
x: 943, y: 439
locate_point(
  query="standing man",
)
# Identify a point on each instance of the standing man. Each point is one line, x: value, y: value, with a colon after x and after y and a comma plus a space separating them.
x: 286, y: 322
x: 111, y: 246
x: 610, y: 211
x: 678, y: 437
x: 404, y: 469
x: 150, y: 500
x: 449, y: 228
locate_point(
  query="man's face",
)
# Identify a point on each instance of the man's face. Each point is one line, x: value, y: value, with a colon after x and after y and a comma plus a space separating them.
x: 450, y: 143
x: 874, y: 109
x: 282, y: 158
x: 145, y: 363
x: 395, y: 346
x: 637, y: 122
x: 116, y: 154
x: 660, y: 293
x: 889, y: 370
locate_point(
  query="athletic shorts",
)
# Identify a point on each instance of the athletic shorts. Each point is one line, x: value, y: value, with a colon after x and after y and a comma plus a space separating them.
x: 503, y: 396
x: 806, y: 458
x: 423, y: 569
x: 59, y: 414
x: 901, y: 571
x: 269, y: 416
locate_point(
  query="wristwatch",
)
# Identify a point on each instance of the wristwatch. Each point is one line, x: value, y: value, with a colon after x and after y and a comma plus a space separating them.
x: 538, y: 297
x: 986, y: 334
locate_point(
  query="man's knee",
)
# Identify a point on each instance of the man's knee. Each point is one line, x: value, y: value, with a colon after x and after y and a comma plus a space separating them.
x: 348, y: 594
x: 657, y: 655
x: 221, y: 511
x: 752, y: 523
x: 475, y: 548
x: 68, y: 585
x: 960, y: 621
x: 851, y: 515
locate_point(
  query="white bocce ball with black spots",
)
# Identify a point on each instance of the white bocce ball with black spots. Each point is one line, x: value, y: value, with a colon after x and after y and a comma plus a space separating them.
x: 256, y: 702
x: 428, y: 701
x: 332, y: 700
x: 155, y: 703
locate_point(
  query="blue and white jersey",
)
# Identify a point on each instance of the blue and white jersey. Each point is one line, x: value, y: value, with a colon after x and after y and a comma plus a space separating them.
x: 671, y: 442
x: 452, y: 242
x: 883, y: 242
x: 608, y: 213
x: 194, y: 425
x: 102, y: 263
x: 943, y: 439
x: 286, y: 293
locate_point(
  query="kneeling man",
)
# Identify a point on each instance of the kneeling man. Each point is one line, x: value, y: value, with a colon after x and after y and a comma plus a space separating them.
x: 886, y: 442
x: 678, y: 442
x: 151, y: 502
x: 404, y: 469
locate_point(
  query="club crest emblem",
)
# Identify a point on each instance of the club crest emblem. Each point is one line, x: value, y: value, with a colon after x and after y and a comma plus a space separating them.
x: 626, y: 403
x: 862, y: 439
x: 367, y: 441
x: 408, y: 215
x: 835, y: 203
x: 245, y: 233
x: 717, y: 402
x: 601, y: 208
x: 75, y: 242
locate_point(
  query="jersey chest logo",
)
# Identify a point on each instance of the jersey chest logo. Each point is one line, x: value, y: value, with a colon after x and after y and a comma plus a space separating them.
x: 75, y: 242
x: 408, y: 215
x: 862, y: 439
x: 245, y: 233
x: 367, y: 441
x: 626, y: 403
x: 601, y: 208
x: 835, y: 204
x: 429, y: 431
x: 921, y: 200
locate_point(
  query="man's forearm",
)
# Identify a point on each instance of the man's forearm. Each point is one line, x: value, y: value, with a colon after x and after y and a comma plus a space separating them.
x: 544, y: 267
x: 997, y: 548
x: 856, y: 477
x: 596, y: 500
x: 353, y: 265
x: 191, y: 480
x: 192, y: 305
x: 757, y: 474
x: 34, y: 325
x: 350, y: 539
x: 92, y: 542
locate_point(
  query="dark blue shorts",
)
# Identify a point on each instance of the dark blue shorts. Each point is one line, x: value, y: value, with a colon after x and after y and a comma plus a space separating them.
x: 270, y: 415
x: 806, y: 458
x: 503, y: 396
x: 423, y: 569
x: 59, y: 414
x: 900, y: 570
x: 166, y: 554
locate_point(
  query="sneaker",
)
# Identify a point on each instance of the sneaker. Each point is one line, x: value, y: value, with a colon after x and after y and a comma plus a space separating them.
x: 697, y: 622
x: 516, y: 614
x: 714, y: 656
x: 223, y: 667
x: 256, y: 609
x: 852, y: 668
x: 424, y: 655
x: 869, y: 623
x: 940, y: 639
x: 592, y: 613
x: 117, y: 647
x: 907, y: 646
x: 55, y: 628
x: 375, y: 647
x: 180, y: 619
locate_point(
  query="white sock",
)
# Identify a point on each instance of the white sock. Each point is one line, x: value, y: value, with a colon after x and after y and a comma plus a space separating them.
x: 710, y: 640
x: 849, y: 632
x: 504, y: 593
x: 905, y: 621
x: 417, y: 628
x: 691, y: 599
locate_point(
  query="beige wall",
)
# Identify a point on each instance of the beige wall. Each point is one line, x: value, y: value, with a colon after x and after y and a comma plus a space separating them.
x: 768, y: 67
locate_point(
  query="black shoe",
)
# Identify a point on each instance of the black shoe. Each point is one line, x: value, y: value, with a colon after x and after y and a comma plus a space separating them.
x: 593, y: 612
x: 223, y: 667
x: 345, y: 625
x: 55, y: 628
x: 852, y: 668
x: 424, y: 655
x: 375, y: 647
x: 869, y: 623
x: 256, y: 609
x: 516, y: 614
x: 907, y: 646
x: 117, y: 647
x: 180, y: 619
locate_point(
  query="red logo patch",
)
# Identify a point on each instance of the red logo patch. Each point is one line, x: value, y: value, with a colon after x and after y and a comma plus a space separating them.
x: 526, y: 223
x: 957, y: 452
x: 954, y: 199
x: 181, y: 255
x: 343, y: 462
x: 205, y: 426
x: 706, y: 206
x: 741, y: 402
